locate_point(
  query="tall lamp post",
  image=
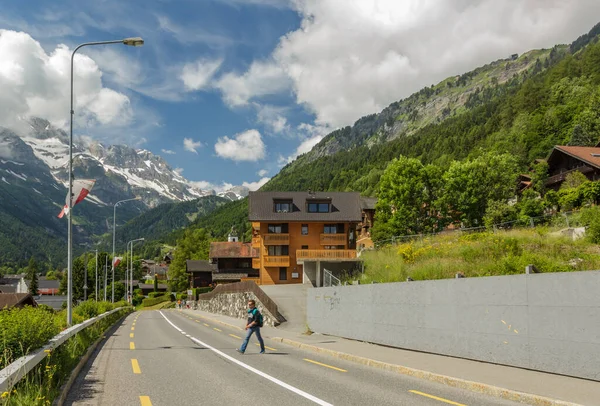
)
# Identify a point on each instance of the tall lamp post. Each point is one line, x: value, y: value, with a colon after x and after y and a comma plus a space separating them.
x: 114, y: 235
x: 136, y: 41
x: 130, y: 282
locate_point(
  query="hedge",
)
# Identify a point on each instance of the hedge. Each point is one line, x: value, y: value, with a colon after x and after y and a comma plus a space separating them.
x: 155, y: 300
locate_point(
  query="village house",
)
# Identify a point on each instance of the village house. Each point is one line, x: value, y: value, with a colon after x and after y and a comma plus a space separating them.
x: 10, y: 300
x: 199, y: 273
x: 233, y: 260
x: 567, y: 159
x: 299, y: 235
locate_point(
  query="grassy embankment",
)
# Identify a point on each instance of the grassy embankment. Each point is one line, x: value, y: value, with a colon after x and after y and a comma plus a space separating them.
x: 480, y: 254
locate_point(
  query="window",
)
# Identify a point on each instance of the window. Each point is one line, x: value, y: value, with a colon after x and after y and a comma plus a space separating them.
x: 279, y: 250
x: 333, y: 228
x: 318, y: 207
x: 304, y: 247
x: 283, y: 206
x: 304, y: 229
x: 283, y: 273
x: 278, y: 228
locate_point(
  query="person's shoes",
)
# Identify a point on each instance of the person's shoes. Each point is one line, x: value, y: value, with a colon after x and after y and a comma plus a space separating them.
x: 263, y: 352
x: 240, y: 351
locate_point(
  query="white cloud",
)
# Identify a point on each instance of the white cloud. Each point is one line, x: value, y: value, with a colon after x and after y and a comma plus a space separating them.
x: 350, y: 58
x: 168, y: 152
x: 197, y: 75
x: 191, y: 145
x: 256, y: 185
x: 192, y: 34
x: 261, y: 79
x: 262, y: 172
x: 246, y: 146
x: 273, y: 118
x: 35, y: 83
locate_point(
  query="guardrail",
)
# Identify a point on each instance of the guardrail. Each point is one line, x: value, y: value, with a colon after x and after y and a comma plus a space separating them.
x: 14, y: 372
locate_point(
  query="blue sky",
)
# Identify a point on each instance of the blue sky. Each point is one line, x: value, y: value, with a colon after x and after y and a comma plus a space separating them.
x: 231, y: 90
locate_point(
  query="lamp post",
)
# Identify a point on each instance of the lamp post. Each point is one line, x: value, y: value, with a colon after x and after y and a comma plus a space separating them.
x: 130, y: 282
x: 96, y: 276
x: 136, y: 41
x: 114, y: 235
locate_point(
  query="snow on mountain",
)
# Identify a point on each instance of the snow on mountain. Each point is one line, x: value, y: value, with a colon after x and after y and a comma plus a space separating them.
x: 120, y: 171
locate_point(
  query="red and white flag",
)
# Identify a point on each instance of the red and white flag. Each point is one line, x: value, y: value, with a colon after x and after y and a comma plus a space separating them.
x: 117, y: 261
x: 81, y: 188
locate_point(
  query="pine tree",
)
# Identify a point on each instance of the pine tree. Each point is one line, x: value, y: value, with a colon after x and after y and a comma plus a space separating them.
x: 32, y: 274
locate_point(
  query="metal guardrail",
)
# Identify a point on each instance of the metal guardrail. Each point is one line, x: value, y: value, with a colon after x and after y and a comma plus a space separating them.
x: 329, y: 279
x: 14, y: 372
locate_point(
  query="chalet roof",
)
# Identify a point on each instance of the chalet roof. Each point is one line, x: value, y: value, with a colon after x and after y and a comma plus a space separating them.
x: 44, y: 283
x: 9, y: 281
x: 8, y: 300
x: 368, y: 203
x: 54, y: 301
x: 232, y: 250
x: 584, y: 154
x: 346, y: 206
x: 8, y: 288
x: 198, y: 266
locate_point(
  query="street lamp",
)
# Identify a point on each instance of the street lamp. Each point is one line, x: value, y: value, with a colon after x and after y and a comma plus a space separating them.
x: 134, y: 41
x: 114, y: 234
x: 130, y: 282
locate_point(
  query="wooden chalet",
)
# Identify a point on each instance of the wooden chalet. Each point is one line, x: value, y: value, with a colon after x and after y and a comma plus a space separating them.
x: 199, y: 273
x: 233, y: 261
x: 567, y: 159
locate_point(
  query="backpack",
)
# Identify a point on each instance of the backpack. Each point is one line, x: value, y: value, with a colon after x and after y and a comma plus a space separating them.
x: 260, y: 319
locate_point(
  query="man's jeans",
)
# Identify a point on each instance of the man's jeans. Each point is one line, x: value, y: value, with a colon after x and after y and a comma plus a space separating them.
x: 249, y: 333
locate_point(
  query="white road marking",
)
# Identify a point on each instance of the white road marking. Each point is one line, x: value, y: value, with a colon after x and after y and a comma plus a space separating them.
x: 252, y: 369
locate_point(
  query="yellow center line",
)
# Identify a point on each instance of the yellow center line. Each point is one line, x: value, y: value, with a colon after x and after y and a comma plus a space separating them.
x: 206, y: 324
x: 145, y: 401
x: 130, y: 335
x: 234, y: 336
x: 135, y: 366
x: 325, y: 365
x: 436, y: 398
x: 214, y: 328
x: 267, y: 347
x: 132, y: 345
x: 132, y: 328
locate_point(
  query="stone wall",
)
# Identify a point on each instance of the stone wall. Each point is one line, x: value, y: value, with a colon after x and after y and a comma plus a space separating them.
x: 236, y: 305
x: 546, y: 322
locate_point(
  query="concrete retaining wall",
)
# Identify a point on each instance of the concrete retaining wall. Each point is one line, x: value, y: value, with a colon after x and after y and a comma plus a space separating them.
x: 236, y: 305
x: 547, y: 322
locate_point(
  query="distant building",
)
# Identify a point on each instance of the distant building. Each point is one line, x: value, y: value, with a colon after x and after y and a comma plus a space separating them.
x: 232, y: 260
x: 56, y: 302
x: 48, y: 286
x: 10, y: 300
x: 199, y: 273
x: 363, y: 229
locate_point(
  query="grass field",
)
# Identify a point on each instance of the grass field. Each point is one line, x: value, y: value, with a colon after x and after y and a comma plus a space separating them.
x: 480, y: 254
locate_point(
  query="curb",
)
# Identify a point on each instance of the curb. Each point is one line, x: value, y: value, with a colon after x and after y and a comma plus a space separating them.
x: 66, y: 388
x: 478, y: 387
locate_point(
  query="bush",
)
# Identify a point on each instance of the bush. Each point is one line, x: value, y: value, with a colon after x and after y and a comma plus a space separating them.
x: 152, y: 295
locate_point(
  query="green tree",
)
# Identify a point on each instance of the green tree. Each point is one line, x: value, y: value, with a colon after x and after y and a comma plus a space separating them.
x: 469, y: 186
x: 497, y: 213
x: 406, y: 199
x: 530, y: 205
x: 194, y: 245
x: 32, y: 275
x: 539, y: 177
x: 573, y: 180
x: 155, y: 283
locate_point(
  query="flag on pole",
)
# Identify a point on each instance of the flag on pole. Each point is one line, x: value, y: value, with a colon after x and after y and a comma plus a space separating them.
x: 81, y: 188
x: 117, y: 261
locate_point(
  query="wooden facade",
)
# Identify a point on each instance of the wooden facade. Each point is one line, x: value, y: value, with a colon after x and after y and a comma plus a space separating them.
x: 287, y: 240
x: 564, y: 160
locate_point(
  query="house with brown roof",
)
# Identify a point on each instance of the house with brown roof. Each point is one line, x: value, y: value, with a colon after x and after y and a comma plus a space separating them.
x: 363, y: 229
x: 568, y: 159
x: 300, y: 234
x: 10, y: 300
x: 199, y: 273
x: 233, y: 261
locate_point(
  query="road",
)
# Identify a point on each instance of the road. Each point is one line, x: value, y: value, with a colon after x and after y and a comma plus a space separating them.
x: 171, y: 358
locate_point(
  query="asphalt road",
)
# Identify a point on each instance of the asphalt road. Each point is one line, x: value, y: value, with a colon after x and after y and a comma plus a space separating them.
x: 170, y: 358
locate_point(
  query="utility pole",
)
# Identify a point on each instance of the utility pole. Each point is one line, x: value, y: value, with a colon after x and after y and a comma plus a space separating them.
x: 105, y: 276
x: 96, y: 275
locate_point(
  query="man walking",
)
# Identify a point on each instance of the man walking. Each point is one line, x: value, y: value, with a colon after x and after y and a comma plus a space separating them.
x: 255, y: 322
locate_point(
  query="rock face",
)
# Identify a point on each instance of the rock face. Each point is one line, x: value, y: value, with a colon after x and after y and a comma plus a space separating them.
x: 235, y: 305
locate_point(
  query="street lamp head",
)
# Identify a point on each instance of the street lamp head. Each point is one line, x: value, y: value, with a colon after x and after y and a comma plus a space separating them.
x: 134, y: 41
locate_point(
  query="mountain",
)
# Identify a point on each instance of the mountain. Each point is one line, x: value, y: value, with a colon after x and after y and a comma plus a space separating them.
x: 521, y: 105
x: 33, y: 187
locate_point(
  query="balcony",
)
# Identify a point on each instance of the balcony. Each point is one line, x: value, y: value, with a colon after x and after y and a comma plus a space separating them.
x: 562, y: 176
x: 331, y: 255
x: 255, y: 242
x: 333, y: 239
x: 276, y: 261
x: 277, y: 239
x: 255, y: 263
